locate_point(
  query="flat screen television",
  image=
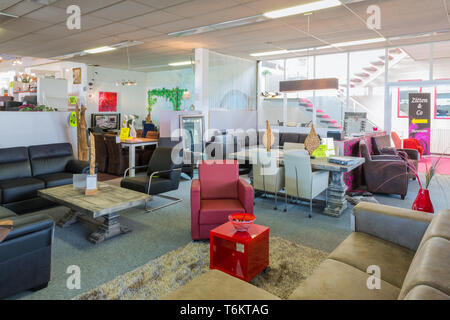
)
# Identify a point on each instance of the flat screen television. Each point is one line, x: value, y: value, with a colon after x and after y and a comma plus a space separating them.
x: 106, y: 121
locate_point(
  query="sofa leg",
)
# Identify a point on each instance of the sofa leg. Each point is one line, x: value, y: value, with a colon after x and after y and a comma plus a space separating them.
x: 40, y: 287
x: 403, y: 197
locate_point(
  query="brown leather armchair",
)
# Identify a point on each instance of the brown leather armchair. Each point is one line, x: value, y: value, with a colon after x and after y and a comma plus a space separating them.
x: 384, y: 174
x: 118, y: 157
x: 381, y: 145
x: 101, y: 153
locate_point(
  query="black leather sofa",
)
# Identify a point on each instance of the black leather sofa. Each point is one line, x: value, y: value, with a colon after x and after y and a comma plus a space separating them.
x: 25, y: 253
x: 24, y: 170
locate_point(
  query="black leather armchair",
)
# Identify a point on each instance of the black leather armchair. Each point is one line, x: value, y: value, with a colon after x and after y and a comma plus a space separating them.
x: 163, y: 175
x: 25, y: 253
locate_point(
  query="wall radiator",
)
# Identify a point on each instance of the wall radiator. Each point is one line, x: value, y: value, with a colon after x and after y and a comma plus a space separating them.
x: 440, y: 140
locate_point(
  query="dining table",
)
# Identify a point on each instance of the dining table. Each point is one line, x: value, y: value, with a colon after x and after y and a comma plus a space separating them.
x: 337, y: 188
x: 132, y: 143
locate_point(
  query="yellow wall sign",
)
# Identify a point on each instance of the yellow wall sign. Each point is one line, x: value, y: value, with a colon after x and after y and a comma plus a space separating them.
x: 124, y: 133
x: 73, y: 119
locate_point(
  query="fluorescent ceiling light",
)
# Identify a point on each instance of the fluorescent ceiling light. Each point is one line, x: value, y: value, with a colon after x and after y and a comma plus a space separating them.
x: 8, y: 15
x: 269, y: 53
x: 358, y: 42
x: 100, y: 49
x: 182, y: 63
x: 303, y: 8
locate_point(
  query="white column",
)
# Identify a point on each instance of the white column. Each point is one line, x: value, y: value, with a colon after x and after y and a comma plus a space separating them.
x: 314, y: 112
x: 201, y: 83
x: 387, y: 96
x: 285, y: 99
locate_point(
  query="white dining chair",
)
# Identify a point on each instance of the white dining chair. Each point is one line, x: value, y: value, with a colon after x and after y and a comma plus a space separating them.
x: 300, y: 180
x: 293, y: 146
x: 268, y: 176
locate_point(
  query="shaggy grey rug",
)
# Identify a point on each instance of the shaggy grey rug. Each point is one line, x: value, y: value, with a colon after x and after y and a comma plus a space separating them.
x: 290, y: 263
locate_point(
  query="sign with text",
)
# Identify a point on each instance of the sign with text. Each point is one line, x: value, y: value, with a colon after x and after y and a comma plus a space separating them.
x: 419, y: 119
x: 124, y: 133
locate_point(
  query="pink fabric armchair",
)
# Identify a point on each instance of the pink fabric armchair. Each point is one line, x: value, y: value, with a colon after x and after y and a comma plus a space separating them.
x: 217, y: 193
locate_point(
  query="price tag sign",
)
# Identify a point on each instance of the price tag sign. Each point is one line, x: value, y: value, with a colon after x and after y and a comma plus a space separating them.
x: 124, y: 133
x: 73, y: 119
x: 73, y: 100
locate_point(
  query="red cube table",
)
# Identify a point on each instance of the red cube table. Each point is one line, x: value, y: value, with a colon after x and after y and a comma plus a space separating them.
x: 240, y: 254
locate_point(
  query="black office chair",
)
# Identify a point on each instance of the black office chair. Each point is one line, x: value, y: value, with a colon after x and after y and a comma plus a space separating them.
x: 163, y: 175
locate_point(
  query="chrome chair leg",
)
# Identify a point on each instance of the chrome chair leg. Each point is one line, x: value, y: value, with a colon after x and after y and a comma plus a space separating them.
x: 276, y: 200
x: 173, y: 201
x: 310, y: 208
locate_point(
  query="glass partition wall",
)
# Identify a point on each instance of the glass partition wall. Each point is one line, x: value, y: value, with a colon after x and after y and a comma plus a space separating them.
x: 376, y: 82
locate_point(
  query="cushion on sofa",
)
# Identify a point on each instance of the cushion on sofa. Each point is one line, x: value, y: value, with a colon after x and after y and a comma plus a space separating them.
x: 217, y: 211
x: 424, y: 292
x: 19, y: 189
x: 50, y: 158
x: 6, y: 213
x: 140, y: 184
x: 361, y: 250
x: 56, y: 179
x: 439, y: 227
x: 217, y: 285
x: 430, y: 267
x: 334, y: 280
x: 14, y: 163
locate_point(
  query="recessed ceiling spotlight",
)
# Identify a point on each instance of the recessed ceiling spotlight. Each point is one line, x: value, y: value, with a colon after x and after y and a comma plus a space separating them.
x: 181, y: 63
x: 303, y: 8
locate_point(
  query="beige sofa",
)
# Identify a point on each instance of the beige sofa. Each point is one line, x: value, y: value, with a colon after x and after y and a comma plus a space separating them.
x: 411, y: 249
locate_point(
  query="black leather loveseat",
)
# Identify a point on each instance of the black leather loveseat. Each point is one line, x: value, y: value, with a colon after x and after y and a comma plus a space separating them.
x: 25, y: 253
x: 24, y: 170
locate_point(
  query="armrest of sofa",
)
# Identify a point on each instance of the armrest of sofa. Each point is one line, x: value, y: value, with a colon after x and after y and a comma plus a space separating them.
x: 195, y: 208
x: 245, y: 193
x: 78, y: 166
x: 411, y: 153
x: 401, y: 226
x: 29, y: 233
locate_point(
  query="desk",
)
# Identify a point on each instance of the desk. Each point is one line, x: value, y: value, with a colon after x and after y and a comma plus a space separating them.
x: 337, y: 188
x: 132, y: 144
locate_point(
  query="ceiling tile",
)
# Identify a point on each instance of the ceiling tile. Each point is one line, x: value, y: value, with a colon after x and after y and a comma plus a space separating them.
x: 199, y: 7
x: 23, y: 7
x: 122, y: 11
x: 152, y: 19
x: 7, y: 3
x: 115, y: 28
x: 86, y: 6
x: 48, y: 14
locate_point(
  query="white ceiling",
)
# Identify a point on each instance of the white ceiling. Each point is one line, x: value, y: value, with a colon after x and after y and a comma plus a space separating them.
x: 40, y: 31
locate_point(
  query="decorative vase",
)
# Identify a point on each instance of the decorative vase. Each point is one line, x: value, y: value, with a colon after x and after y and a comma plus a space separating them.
x: 423, y: 202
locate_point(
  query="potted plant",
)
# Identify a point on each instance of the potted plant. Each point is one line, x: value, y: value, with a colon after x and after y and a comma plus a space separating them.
x: 151, y: 102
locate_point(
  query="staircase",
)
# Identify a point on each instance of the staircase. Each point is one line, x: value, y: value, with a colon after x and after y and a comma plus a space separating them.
x: 362, y: 78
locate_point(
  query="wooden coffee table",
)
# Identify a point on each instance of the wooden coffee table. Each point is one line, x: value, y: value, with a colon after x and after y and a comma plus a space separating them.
x: 240, y: 254
x: 105, y: 204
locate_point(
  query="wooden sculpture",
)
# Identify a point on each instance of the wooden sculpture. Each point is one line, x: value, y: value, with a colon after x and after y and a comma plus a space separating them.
x: 268, y: 138
x: 83, y: 150
x: 312, y: 141
x: 90, y: 192
x: 5, y: 227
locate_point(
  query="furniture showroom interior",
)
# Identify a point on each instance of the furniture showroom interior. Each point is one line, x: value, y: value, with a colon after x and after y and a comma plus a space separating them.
x: 224, y: 150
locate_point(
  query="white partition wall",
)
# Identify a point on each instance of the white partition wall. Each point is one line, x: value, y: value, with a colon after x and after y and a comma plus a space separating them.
x: 32, y: 128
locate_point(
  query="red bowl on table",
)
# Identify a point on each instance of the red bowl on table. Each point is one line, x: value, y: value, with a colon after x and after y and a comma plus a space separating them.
x: 241, y: 221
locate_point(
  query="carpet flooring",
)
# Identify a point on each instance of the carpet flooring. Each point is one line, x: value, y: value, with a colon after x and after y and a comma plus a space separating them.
x: 155, y: 234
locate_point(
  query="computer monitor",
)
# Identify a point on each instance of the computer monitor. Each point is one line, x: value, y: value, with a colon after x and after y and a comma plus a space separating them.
x: 106, y: 121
